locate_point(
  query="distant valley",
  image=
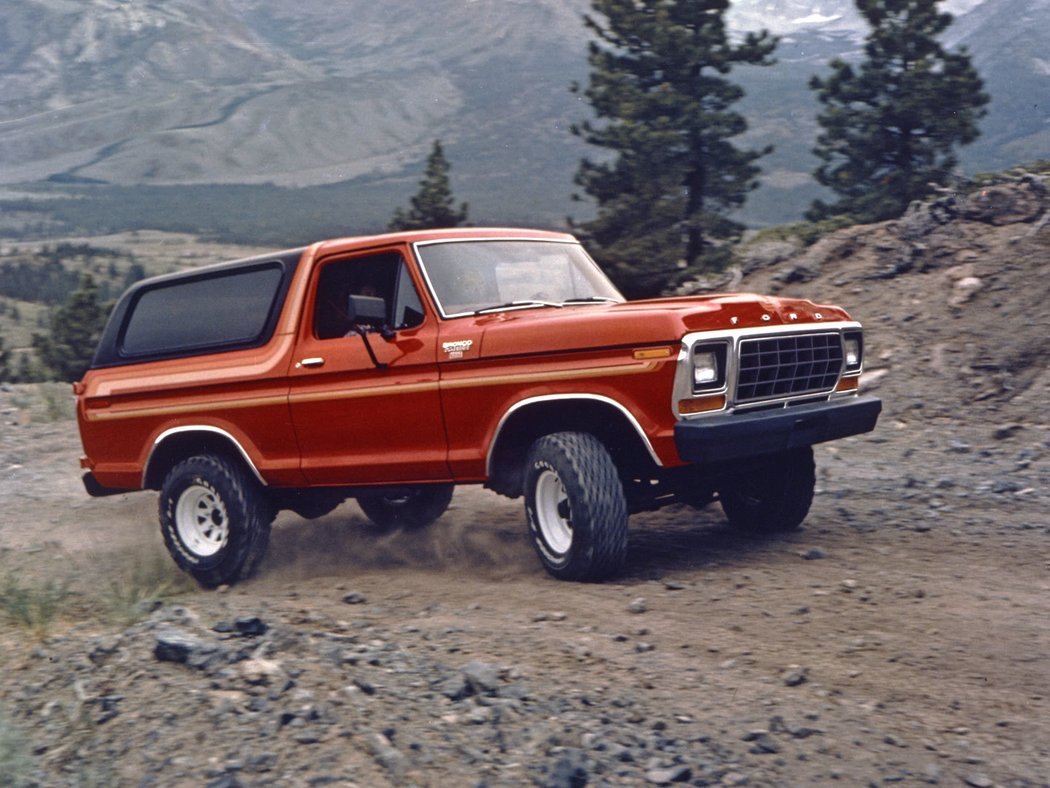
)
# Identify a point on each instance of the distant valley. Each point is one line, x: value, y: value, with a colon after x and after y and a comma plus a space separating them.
x: 311, y: 118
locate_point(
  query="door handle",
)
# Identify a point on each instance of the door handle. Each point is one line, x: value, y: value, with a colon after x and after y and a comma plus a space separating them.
x: 310, y: 362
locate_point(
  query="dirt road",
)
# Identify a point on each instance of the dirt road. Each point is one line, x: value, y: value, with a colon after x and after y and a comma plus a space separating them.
x: 900, y: 637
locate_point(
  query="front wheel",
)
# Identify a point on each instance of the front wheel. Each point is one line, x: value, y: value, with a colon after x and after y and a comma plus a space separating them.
x: 215, y: 519
x: 415, y: 508
x: 575, y: 506
x: 771, y: 494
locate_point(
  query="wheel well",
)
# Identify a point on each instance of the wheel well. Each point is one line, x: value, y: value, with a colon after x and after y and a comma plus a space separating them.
x: 181, y: 445
x: 599, y: 418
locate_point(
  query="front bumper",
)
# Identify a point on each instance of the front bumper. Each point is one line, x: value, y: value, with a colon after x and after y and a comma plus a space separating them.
x: 735, y: 435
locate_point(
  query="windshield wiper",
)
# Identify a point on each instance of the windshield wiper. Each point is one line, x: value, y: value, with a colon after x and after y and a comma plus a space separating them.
x: 591, y: 300
x: 514, y: 304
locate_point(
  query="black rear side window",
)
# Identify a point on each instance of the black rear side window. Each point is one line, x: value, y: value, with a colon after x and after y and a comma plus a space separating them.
x: 221, y: 309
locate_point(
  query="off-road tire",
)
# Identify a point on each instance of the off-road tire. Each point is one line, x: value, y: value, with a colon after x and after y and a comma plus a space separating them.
x: 770, y: 494
x: 215, y: 519
x: 575, y: 507
x: 411, y: 511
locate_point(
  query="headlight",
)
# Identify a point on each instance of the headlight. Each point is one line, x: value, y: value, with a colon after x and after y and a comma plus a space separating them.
x: 853, y: 348
x: 705, y: 368
x: 709, y: 365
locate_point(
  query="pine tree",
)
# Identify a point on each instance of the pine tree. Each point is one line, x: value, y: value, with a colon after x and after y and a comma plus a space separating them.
x: 891, y: 124
x: 75, y: 328
x: 433, y: 205
x: 658, y: 79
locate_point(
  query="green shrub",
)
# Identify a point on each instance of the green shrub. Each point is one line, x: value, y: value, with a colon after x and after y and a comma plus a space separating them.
x: 133, y: 595
x: 34, y: 607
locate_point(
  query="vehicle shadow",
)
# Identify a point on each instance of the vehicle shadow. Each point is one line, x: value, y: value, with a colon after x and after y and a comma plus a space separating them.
x: 681, y: 538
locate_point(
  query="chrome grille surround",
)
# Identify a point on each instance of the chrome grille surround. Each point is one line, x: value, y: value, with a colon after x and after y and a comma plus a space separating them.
x: 742, y: 399
x: 789, y: 365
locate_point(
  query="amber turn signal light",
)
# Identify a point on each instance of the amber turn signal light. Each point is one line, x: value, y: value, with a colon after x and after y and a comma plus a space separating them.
x: 652, y: 352
x: 701, y: 404
x: 848, y: 384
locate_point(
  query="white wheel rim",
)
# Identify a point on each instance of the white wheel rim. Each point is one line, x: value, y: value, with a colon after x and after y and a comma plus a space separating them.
x: 201, y: 520
x: 553, y: 514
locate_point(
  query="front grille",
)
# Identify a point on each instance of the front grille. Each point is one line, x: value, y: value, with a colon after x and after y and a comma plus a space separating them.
x: 787, y: 366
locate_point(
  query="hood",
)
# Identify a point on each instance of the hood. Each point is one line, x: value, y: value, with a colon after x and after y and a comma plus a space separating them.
x: 654, y: 321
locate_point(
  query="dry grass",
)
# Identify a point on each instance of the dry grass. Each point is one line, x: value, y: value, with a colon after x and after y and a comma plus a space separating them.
x: 34, y: 607
x: 138, y: 591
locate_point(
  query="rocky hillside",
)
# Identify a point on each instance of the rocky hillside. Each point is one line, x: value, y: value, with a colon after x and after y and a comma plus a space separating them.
x: 953, y: 297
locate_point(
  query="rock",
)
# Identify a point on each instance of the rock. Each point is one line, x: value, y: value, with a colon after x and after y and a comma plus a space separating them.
x: 762, y: 743
x: 1005, y: 431
x: 103, y: 648
x: 555, y: 616
x: 637, y: 605
x: 175, y: 645
x: 978, y: 781
x: 263, y: 762
x: 795, y: 675
x: 108, y: 707
x: 456, y: 688
x: 482, y: 677
x: 675, y: 774
x: 764, y: 254
x: 250, y: 626
x: 814, y: 554
x: 965, y: 289
x: 1005, y: 204
x: 354, y: 598
x: 802, y: 732
x: 386, y: 754
x: 259, y: 671
x: 365, y: 686
x: 1003, y: 486
x: 570, y: 771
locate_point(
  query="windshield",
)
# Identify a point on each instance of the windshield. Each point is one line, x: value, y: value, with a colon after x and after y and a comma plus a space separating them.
x: 471, y: 277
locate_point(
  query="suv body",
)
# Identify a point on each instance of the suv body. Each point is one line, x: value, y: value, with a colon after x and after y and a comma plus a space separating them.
x: 390, y: 368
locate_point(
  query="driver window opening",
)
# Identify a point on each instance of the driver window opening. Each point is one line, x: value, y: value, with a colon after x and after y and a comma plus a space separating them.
x: 382, y: 276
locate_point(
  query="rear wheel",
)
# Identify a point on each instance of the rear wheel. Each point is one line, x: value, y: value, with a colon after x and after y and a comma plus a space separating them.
x: 772, y: 493
x: 215, y: 519
x: 416, y: 508
x: 575, y: 507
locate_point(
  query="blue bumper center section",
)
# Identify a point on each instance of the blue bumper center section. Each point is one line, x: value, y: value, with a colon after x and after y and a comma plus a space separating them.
x: 735, y: 435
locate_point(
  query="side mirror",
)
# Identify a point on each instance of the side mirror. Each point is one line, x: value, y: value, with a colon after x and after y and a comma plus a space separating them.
x: 366, y: 310
x: 368, y: 313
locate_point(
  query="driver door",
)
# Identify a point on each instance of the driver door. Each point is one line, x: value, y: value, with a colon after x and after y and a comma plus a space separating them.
x: 356, y: 422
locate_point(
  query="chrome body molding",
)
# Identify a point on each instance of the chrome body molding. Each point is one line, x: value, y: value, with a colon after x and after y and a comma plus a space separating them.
x: 563, y: 397
x: 683, y: 387
x: 200, y: 428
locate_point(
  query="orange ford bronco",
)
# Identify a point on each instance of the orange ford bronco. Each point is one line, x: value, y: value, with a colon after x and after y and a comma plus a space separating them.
x: 391, y: 368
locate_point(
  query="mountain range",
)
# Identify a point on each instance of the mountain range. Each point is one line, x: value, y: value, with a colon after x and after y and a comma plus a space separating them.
x: 299, y: 94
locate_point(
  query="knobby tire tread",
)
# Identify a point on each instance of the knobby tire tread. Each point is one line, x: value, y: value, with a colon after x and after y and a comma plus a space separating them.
x: 246, y: 548
x: 600, y: 551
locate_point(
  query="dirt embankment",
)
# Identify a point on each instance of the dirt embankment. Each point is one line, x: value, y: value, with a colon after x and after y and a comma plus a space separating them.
x: 900, y: 637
